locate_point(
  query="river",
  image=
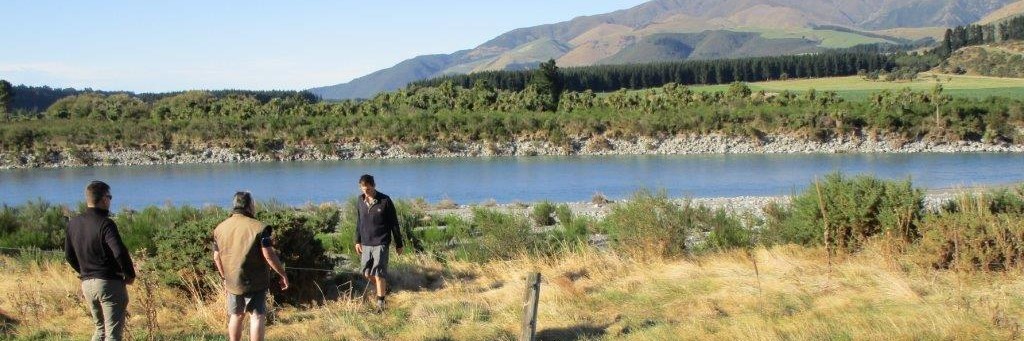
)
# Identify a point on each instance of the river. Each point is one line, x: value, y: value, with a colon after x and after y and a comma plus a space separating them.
x: 505, y: 179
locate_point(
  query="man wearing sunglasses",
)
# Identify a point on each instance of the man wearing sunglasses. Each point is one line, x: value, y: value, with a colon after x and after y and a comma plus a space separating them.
x: 94, y: 249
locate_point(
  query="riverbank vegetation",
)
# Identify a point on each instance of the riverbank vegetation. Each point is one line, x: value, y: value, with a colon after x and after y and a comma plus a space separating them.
x: 850, y: 257
x: 448, y: 115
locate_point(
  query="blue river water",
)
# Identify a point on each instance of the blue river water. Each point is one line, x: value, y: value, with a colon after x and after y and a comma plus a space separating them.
x: 504, y: 179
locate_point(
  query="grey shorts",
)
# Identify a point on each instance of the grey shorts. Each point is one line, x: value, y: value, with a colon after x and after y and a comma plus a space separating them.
x: 375, y: 260
x: 255, y: 303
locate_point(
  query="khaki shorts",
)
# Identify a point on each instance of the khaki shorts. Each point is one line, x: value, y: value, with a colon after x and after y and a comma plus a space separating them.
x: 375, y: 260
x: 255, y: 303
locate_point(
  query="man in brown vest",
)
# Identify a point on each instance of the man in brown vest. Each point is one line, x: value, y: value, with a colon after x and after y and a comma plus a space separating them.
x: 244, y: 255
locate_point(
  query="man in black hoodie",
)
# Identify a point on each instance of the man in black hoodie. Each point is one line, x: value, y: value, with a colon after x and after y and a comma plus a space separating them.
x: 94, y: 249
x: 376, y: 228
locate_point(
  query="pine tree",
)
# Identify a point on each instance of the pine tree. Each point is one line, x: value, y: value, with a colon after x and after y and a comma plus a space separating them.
x: 6, y: 98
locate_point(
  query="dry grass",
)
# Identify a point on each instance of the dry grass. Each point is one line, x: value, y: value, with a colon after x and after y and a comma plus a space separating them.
x: 764, y: 294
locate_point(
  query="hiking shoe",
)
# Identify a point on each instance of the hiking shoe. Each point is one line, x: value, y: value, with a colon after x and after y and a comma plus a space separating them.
x: 381, y: 304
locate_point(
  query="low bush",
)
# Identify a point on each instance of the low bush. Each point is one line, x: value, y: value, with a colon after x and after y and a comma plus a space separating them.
x: 543, y: 213
x: 303, y: 255
x: 36, y: 224
x: 972, y: 241
x: 976, y: 232
x: 852, y: 209
x: 139, y: 229
x: 500, y: 236
x: 564, y: 215
x: 726, y: 231
x: 184, y: 254
x: 649, y: 225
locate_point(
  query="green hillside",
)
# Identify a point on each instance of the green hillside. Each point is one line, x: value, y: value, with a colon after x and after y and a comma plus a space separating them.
x: 995, y: 60
x: 857, y: 88
x: 625, y: 36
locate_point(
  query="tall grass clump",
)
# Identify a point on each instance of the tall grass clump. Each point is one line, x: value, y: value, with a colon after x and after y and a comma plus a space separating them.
x: 649, y: 225
x: 442, y: 234
x: 981, y: 232
x: 543, y: 213
x: 842, y: 213
x: 996, y: 201
x: 726, y: 231
x: 500, y: 236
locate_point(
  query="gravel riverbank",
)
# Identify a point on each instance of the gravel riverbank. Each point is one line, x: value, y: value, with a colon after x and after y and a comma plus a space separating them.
x: 742, y: 205
x: 675, y: 145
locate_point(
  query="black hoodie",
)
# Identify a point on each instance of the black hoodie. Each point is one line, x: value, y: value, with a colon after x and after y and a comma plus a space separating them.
x: 376, y: 224
x: 94, y: 248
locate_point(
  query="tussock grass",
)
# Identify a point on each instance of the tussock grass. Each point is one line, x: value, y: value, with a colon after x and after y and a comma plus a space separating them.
x: 765, y: 293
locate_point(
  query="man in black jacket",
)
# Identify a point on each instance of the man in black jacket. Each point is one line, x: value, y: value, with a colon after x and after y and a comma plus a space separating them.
x: 376, y: 228
x: 94, y: 249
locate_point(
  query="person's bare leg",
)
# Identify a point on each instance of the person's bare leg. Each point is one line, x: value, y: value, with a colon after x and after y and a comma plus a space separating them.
x: 382, y: 285
x: 235, y: 327
x: 257, y: 327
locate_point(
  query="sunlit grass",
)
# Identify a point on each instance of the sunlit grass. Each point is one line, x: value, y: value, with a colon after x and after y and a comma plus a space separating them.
x: 857, y: 88
x: 793, y: 294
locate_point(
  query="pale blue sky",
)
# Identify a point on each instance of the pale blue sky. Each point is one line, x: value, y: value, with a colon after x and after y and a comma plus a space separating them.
x: 177, y: 45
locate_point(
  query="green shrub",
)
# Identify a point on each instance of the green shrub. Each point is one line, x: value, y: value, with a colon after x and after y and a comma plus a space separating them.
x: 139, y: 229
x: 726, y: 231
x: 500, y: 236
x: 443, y: 233
x: 996, y: 201
x: 564, y: 215
x: 337, y: 243
x: 184, y: 254
x: 577, y: 231
x: 972, y: 241
x: 299, y: 249
x: 649, y: 225
x: 543, y: 214
x: 411, y: 216
x: 35, y: 224
x: 854, y: 210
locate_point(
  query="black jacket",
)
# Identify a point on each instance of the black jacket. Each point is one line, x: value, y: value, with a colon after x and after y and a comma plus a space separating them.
x: 94, y: 248
x: 377, y: 224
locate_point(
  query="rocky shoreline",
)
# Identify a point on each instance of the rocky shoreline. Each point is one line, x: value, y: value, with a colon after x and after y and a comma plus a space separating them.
x: 742, y: 205
x: 599, y: 145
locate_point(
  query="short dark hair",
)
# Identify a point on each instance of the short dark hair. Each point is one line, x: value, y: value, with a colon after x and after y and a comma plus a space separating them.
x: 367, y: 179
x: 95, y: 191
x: 243, y: 202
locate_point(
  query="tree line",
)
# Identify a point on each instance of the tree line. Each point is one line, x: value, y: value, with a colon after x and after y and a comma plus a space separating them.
x: 446, y: 115
x: 606, y: 78
x: 16, y: 100
x: 973, y: 35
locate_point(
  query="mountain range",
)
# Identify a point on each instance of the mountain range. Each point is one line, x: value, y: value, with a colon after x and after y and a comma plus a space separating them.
x: 662, y: 30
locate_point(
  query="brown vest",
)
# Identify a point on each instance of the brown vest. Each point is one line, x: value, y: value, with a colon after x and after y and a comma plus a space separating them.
x: 238, y: 241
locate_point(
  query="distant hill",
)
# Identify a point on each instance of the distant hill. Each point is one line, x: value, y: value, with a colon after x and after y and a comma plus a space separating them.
x: 1006, y: 12
x: 688, y: 29
x: 707, y: 45
x: 996, y: 60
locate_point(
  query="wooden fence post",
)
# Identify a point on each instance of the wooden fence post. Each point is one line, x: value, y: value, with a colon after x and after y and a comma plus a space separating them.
x: 530, y: 307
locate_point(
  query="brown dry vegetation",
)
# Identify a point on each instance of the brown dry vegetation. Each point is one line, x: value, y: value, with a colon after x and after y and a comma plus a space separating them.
x: 784, y: 292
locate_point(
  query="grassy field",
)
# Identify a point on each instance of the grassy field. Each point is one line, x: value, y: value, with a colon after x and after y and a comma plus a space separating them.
x: 857, y: 88
x: 778, y: 293
x: 827, y: 38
